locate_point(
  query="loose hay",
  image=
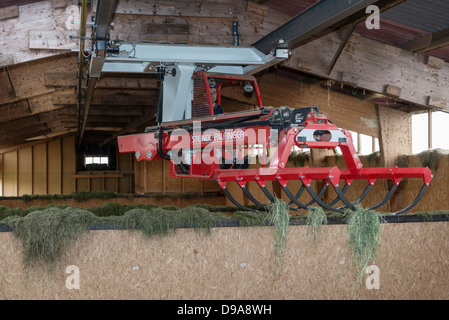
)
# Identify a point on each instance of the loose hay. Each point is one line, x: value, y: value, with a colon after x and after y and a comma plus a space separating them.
x: 279, y: 216
x: 315, y: 219
x: 46, y: 233
x: 364, y: 234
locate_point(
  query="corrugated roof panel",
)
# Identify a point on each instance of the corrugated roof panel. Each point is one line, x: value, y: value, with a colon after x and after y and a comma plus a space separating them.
x: 390, y: 32
x: 428, y: 15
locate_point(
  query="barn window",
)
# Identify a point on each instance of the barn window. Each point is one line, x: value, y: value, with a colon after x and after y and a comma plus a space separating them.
x: 96, y: 160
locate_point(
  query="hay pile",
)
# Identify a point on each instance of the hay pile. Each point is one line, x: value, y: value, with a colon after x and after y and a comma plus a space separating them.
x: 46, y: 232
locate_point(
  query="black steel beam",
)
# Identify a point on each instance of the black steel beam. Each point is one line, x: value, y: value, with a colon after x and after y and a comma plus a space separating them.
x: 103, y: 16
x: 322, y: 17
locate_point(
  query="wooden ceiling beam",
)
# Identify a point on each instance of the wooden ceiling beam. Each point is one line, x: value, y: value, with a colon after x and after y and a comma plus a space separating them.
x: 21, y: 138
x: 4, y: 148
x: 146, y: 119
x: 17, y: 133
x: 28, y: 79
x: 13, y: 111
x: 113, y: 120
x: 116, y: 111
x: 68, y: 80
x: 377, y: 67
x: 107, y: 97
x: 19, y: 124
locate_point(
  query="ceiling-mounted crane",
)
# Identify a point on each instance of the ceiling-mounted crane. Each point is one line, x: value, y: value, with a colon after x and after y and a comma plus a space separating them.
x: 201, y: 143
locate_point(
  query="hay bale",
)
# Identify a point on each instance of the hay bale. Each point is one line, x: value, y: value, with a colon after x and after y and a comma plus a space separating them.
x: 431, y: 158
x: 299, y: 158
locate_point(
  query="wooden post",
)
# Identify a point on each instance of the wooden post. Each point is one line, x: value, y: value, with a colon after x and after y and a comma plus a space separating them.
x: 395, y: 134
x: 395, y: 140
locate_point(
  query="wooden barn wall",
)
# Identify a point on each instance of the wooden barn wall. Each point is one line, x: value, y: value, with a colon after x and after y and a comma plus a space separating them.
x: 346, y: 111
x: 154, y: 177
x: 120, y: 180
x: 39, y: 169
x: 49, y: 168
x: 232, y: 263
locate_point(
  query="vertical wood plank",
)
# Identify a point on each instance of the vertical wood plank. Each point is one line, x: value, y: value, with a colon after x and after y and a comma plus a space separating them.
x: 54, y: 167
x: 40, y: 169
x: 395, y: 140
x: 68, y: 164
x: 124, y: 163
x: 25, y: 175
x: 10, y: 174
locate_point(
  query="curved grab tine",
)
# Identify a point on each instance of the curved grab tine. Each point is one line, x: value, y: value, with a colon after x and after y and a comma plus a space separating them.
x: 337, y: 198
x: 298, y: 194
x: 389, y: 195
x: 293, y: 198
x: 364, y: 194
x: 267, y: 194
x: 320, y: 194
x: 342, y: 197
x: 251, y: 197
x: 231, y: 198
x: 271, y: 198
x: 265, y: 191
x: 411, y: 205
x: 320, y: 202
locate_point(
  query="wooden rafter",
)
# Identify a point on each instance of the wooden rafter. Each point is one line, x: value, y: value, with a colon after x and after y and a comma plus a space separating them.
x: 428, y: 42
x: 147, y: 118
x: 344, y: 40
